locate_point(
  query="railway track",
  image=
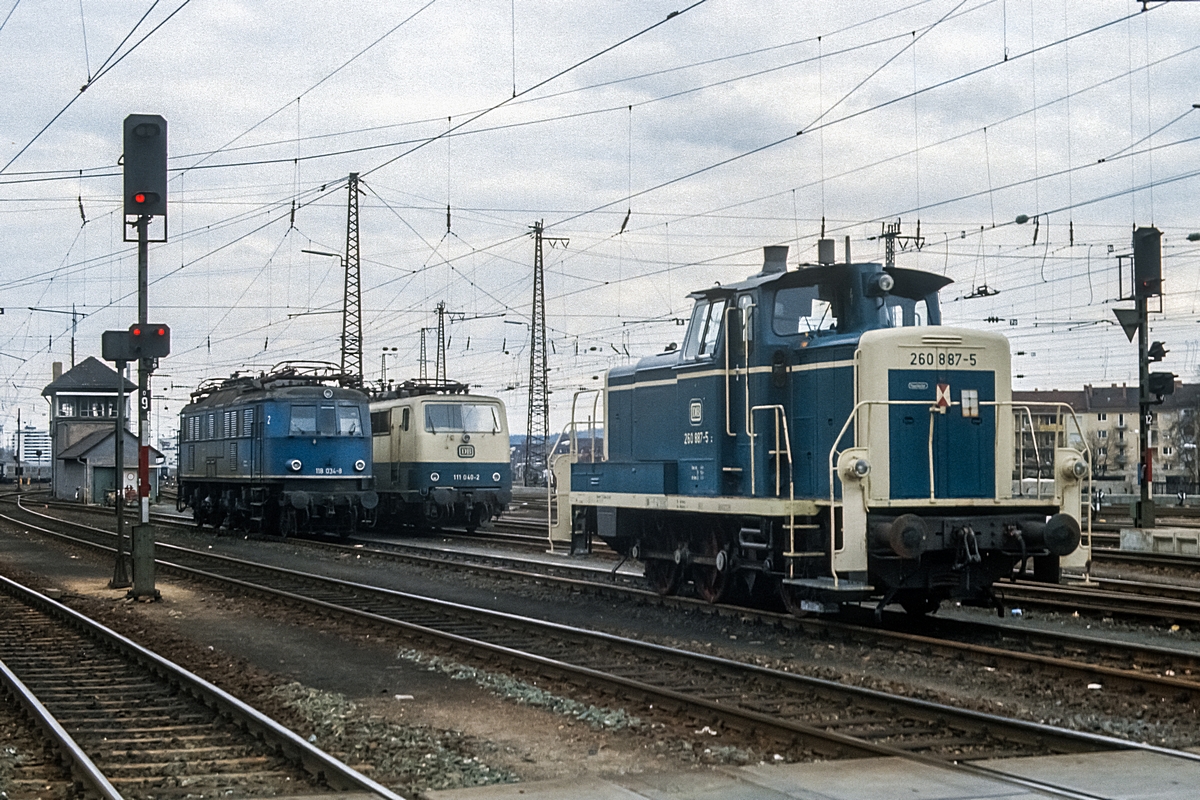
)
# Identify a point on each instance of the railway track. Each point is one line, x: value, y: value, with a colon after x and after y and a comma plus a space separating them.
x: 132, y: 724
x: 1141, y: 669
x: 819, y: 717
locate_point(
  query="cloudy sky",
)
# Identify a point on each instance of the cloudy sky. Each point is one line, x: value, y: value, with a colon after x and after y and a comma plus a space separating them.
x: 663, y: 151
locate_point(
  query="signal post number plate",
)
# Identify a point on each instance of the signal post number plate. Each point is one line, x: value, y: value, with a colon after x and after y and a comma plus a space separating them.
x: 941, y: 358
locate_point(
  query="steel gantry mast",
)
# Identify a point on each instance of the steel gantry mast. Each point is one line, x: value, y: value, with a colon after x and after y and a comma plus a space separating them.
x: 537, y: 427
x: 352, y: 301
x: 440, y: 366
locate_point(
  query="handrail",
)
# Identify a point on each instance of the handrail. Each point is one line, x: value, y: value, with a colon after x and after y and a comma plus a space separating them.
x: 780, y: 414
x: 569, y: 430
x: 729, y: 307
x: 550, y: 459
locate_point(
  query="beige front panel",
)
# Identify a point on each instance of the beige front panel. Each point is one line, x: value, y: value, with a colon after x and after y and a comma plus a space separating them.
x: 927, y: 348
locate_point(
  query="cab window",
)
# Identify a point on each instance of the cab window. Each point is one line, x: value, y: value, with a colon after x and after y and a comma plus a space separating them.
x: 797, y: 310
x: 349, y: 421
x: 704, y: 331
x: 304, y: 421
x: 461, y: 417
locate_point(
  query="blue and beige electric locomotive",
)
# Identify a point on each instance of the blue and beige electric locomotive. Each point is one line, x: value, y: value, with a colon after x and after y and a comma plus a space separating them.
x: 820, y: 435
x: 280, y: 452
x: 441, y: 456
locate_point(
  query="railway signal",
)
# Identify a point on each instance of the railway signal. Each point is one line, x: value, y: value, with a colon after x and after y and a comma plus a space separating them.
x: 145, y: 143
x: 145, y: 197
x: 1152, y: 386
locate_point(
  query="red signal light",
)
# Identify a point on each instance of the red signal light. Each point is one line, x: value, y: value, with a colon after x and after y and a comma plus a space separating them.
x: 136, y: 331
x: 139, y: 198
x: 162, y: 331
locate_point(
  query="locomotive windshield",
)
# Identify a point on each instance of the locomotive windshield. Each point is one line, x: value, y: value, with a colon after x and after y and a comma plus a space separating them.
x: 704, y: 331
x: 462, y: 417
x: 325, y: 421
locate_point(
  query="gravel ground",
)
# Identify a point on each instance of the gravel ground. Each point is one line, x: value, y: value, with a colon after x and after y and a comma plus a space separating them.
x: 420, y: 720
x: 27, y: 768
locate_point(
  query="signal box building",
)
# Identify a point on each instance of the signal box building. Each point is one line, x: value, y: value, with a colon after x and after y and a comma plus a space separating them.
x: 83, y: 416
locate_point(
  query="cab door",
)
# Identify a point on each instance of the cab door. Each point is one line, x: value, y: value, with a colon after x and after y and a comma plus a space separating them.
x: 963, y: 433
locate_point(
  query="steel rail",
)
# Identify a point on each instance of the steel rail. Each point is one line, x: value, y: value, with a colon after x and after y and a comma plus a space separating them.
x: 337, y: 774
x: 81, y: 766
x: 1106, y: 601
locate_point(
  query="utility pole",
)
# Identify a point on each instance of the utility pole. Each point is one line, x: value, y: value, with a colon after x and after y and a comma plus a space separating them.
x: 537, y: 426
x: 74, y: 324
x: 352, y: 301
x: 19, y: 468
x: 120, y: 579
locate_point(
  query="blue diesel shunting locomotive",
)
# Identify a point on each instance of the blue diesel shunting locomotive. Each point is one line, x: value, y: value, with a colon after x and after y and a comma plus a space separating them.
x: 280, y: 452
x: 821, y: 436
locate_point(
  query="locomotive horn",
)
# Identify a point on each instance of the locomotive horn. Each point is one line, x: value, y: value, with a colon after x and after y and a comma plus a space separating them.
x: 907, y: 536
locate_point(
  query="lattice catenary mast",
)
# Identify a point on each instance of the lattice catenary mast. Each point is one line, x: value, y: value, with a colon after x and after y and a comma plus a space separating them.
x: 352, y: 300
x: 537, y: 427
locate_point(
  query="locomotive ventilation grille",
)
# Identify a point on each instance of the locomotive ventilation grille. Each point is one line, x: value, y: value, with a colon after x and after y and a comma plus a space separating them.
x: 941, y: 341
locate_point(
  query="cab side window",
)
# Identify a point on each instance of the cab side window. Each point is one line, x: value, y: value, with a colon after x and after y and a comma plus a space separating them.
x: 704, y: 331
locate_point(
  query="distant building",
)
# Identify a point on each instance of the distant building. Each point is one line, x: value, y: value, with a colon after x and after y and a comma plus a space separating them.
x: 34, y: 450
x: 1108, y: 417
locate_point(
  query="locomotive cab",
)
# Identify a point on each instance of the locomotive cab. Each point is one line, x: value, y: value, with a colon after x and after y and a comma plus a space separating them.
x: 820, y: 433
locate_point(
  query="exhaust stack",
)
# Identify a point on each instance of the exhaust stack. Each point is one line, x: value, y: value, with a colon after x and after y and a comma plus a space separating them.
x: 774, y: 259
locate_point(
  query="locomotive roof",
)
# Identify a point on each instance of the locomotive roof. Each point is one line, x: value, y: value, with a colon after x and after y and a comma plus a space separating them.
x: 308, y: 378
x: 418, y: 387
x: 911, y: 284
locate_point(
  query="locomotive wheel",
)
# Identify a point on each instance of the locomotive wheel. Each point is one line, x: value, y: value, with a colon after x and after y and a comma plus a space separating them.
x: 791, y: 601
x: 919, y: 606
x: 287, y: 523
x: 348, y: 524
x: 664, y: 576
x: 712, y: 581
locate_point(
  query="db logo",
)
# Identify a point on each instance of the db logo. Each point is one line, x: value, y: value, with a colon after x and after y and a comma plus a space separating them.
x: 696, y: 411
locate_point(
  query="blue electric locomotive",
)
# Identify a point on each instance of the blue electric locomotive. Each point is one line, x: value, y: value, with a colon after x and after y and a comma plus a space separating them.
x: 819, y: 434
x: 280, y: 452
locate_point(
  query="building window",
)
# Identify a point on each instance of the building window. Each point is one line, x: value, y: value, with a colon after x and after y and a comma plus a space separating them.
x: 1166, y: 451
x: 1101, y: 452
x: 1120, y: 419
x: 1101, y: 434
x: 1102, y: 417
